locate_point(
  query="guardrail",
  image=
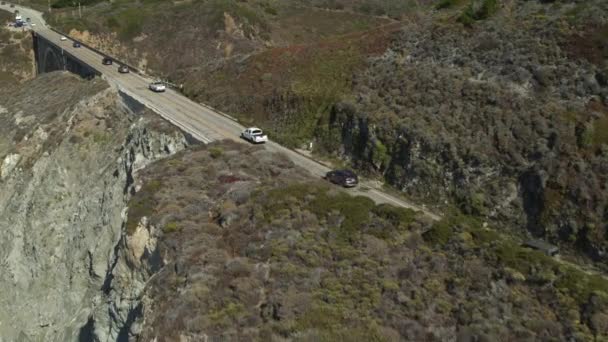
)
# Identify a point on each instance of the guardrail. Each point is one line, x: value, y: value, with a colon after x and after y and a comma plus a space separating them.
x: 139, y: 72
x: 131, y: 68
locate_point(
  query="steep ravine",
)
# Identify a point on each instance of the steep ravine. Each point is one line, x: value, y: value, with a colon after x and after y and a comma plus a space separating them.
x: 70, y: 152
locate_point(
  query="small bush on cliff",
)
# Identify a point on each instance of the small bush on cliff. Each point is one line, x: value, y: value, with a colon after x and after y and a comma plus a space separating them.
x: 142, y: 204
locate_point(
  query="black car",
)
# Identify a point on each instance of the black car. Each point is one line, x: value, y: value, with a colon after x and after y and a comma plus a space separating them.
x: 106, y: 61
x: 76, y: 44
x: 346, y: 178
x: 123, y: 69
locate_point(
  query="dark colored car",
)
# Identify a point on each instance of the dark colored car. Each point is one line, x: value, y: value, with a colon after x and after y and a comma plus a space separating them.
x: 106, y: 61
x: 76, y: 44
x: 12, y: 6
x: 123, y: 69
x: 346, y: 178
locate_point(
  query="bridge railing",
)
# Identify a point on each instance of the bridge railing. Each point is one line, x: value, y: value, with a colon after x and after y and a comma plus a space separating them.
x: 131, y: 68
x: 137, y: 71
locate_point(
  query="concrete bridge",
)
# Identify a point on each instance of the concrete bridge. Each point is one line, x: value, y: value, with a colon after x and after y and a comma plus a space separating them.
x: 51, y: 57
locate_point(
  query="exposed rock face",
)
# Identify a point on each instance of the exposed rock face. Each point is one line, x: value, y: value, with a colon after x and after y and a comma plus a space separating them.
x: 69, y: 161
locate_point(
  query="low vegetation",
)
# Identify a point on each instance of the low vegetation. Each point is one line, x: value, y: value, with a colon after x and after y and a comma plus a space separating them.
x: 479, y: 10
x: 263, y: 252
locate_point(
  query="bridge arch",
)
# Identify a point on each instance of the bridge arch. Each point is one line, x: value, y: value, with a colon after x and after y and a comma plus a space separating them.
x: 51, y: 61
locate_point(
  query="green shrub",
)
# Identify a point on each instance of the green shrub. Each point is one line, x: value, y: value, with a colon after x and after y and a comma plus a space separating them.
x: 483, y: 236
x: 171, y: 227
x: 487, y: 9
x: 399, y: 217
x: 380, y: 155
x: 474, y: 13
x: 440, y: 233
x: 225, y: 315
x: 270, y: 10
x: 580, y: 285
x: 112, y: 23
x: 522, y: 259
x: 445, y: 4
x: 355, y: 210
x: 216, y: 152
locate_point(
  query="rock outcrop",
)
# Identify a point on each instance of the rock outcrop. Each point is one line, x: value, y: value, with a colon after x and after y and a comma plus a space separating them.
x: 70, y: 150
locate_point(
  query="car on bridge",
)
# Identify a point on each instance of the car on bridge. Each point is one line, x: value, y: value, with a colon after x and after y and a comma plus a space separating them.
x: 106, y: 61
x: 345, y: 178
x: 123, y: 69
x: 63, y: 38
x: 76, y: 44
x: 254, y: 135
x: 157, y: 87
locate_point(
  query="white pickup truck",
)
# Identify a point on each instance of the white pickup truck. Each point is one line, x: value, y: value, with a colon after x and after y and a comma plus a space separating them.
x: 157, y: 87
x: 255, y: 135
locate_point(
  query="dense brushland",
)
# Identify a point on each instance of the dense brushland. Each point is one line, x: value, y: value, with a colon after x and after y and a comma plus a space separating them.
x: 254, y: 249
x: 497, y: 108
x: 495, y: 111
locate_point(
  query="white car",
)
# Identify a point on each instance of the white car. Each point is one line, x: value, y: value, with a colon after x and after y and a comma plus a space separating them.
x: 255, y: 135
x: 158, y: 87
x: 63, y: 38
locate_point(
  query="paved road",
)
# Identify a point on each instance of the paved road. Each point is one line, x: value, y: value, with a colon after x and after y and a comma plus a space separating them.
x: 203, y: 123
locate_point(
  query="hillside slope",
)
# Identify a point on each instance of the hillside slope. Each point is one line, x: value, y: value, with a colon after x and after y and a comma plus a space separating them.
x: 496, y: 108
x: 242, y: 245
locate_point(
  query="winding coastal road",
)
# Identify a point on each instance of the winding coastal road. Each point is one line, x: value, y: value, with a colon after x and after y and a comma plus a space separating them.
x: 198, y: 120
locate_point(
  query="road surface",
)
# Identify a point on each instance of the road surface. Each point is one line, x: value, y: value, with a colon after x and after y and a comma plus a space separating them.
x: 201, y: 122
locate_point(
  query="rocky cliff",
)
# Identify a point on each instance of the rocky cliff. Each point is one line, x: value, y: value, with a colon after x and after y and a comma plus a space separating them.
x: 70, y: 151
